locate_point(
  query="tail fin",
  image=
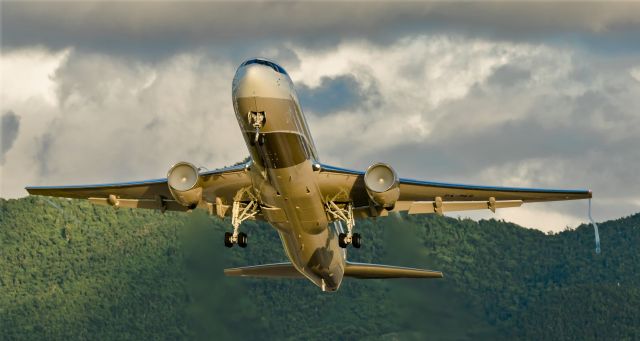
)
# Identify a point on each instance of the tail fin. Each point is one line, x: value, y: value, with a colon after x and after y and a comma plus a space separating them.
x: 364, y: 270
x: 276, y: 270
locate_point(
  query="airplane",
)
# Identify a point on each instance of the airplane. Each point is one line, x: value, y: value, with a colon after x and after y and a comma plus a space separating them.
x: 284, y: 183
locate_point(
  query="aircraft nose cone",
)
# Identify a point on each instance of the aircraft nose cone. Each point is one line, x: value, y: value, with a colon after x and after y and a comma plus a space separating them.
x: 259, y: 81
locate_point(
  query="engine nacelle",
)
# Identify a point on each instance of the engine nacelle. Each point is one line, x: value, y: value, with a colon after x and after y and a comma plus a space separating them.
x: 184, y: 184
x: 383, y: 185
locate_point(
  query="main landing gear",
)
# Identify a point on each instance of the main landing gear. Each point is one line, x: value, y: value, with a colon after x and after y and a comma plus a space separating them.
x: 239, y: 213
x: 345, y: 214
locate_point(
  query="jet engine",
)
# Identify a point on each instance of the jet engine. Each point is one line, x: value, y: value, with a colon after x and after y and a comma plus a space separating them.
x: 184, y: 184
x: 382, y: 185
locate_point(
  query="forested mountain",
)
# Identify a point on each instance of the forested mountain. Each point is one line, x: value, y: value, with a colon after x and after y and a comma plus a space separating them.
x: 72, y: 270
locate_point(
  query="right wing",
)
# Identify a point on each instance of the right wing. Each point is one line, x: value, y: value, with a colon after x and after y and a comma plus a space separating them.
x: 220, y: 187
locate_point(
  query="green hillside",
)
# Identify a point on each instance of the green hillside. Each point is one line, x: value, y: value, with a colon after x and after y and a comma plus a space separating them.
x: 70, y: 270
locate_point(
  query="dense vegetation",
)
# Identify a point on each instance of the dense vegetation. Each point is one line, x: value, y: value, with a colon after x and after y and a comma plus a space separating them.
x: 72, y: 270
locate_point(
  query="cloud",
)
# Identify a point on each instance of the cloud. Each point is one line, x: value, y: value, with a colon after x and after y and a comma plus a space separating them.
x: 532, y: 94
x: 498, y: 113
x: 26, y: 74
x: 152, y: 29
x: 337, y: 93
x: 117, y: 119
x: 635, y: 73
x: 9, y: 126
x: 508, y: 76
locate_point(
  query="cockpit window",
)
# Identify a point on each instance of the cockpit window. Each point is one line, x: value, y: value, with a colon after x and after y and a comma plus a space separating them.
x: 274, y: 66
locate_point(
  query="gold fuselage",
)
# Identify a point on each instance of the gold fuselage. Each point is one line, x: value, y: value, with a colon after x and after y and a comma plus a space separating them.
x: 283, y: 174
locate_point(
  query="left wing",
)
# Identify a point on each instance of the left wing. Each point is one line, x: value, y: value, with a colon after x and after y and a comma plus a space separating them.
x: 220, y: 186
x: 344, y: 185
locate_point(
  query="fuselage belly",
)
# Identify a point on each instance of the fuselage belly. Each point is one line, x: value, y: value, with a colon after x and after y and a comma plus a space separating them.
x: 283, y: 156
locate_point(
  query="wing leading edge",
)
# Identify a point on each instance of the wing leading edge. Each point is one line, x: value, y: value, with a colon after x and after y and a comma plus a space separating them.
x: 437, y: 197
x: 154, y: 194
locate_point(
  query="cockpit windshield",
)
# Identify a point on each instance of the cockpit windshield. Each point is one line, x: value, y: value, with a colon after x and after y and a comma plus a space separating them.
x: 274, y: 66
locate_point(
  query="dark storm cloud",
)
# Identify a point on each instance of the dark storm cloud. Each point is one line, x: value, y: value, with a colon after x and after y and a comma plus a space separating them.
x: 335, y: 94
x: 155, y: 29
x: 43, y: 154
x: 551, y: 137
x: 10, y: 124
x: 533, y: 94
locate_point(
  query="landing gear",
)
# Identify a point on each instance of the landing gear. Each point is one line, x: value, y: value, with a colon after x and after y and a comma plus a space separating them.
x: 345, y: 214
x: 242, y: 239
x: 356, y: 240
x: 239, y: 213
x: 342, y: 240
x: 257, y: 120
x: 228, y: 241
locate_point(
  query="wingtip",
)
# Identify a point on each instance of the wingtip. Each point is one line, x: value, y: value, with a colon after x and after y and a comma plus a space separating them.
x: 429, y: 274
x: 434, y: 274
x: 232, y: 272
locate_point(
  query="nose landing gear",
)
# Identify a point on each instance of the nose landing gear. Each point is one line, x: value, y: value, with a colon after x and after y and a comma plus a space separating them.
x: 356, y: 240
x: 257, y: 120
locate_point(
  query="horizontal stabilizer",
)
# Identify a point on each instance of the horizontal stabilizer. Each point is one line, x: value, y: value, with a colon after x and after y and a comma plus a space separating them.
x: 356, y: 270
x: 276, y: 270
x: 364, y: 270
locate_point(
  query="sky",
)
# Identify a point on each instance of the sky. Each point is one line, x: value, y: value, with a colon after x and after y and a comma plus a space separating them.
x: 527, y: 94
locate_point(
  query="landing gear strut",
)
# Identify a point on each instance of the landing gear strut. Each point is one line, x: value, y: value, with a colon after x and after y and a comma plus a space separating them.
x: 239, y: 213
x: 345, y: 214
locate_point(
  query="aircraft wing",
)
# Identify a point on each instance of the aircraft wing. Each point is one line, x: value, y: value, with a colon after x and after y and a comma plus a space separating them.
x: 222, y: 184
x: 344, y: 185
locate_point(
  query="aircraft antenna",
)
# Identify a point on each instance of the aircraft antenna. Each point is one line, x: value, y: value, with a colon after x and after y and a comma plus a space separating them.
x: 595, y: 229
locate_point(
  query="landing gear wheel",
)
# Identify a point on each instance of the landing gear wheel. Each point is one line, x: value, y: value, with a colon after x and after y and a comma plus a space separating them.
x: 227, y: 239
x: 242, y: 239
x: 356, y: 240
x: 341, y: 240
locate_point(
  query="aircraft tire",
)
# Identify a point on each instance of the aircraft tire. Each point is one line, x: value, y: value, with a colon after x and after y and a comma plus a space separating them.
x: 227, y: 239
x: 242, y: 239
x: 341, y: 238
x: 356, y: 240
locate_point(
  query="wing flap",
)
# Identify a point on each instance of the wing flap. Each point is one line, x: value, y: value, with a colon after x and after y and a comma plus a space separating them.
x: 419, y: 207
x: 170, y: 205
